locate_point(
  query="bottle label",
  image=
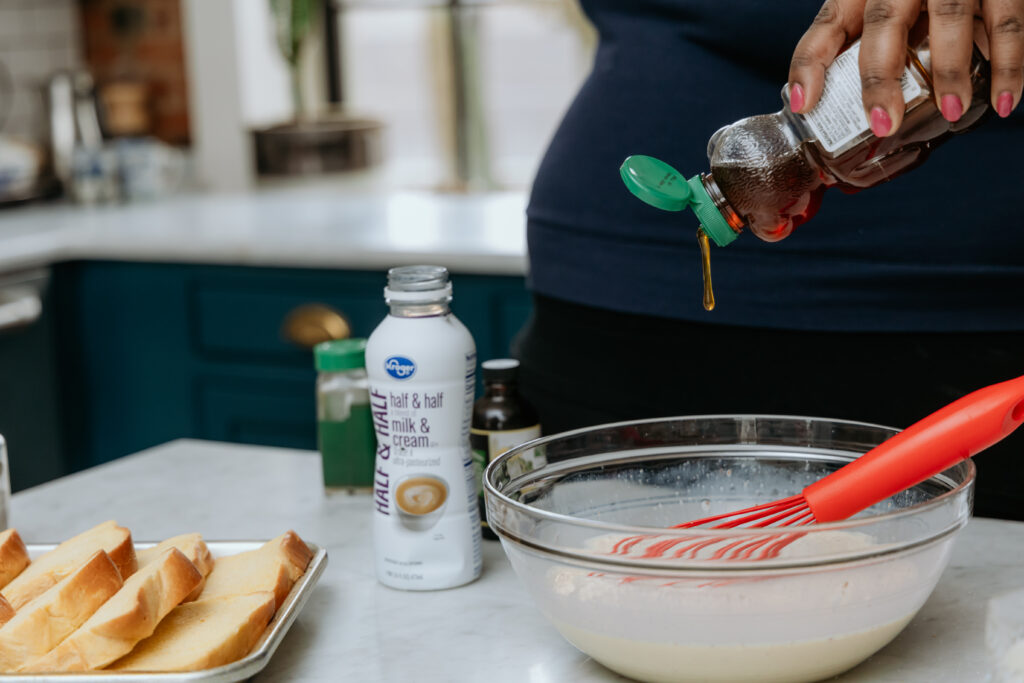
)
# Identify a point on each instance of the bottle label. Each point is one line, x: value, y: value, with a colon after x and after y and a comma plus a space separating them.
x: 426, y: 519
x: 838, y: 119
x: 488, y: 445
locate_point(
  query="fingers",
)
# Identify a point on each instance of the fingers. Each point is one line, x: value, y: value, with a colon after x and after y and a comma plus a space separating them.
x: 884, y: 25
x: 1004, y: 22
x: 883, y: 57
x: 951, y: 26
x: 835, y: 23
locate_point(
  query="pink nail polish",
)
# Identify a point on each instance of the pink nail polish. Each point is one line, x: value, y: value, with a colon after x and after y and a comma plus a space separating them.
x: 952, y: 110
x: 1004, y: 105
x: 796, y: 98
x: 881, y: 124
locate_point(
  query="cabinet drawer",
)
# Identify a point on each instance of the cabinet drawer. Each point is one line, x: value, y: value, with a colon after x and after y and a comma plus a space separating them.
x: 246, y: 318
x: 240, y: 316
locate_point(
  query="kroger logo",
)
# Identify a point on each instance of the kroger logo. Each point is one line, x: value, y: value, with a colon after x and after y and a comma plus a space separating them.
x: 399, y: 367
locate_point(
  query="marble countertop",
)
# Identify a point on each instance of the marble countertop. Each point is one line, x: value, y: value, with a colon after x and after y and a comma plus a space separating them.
x: 354, y: 629
x: 314, y: 226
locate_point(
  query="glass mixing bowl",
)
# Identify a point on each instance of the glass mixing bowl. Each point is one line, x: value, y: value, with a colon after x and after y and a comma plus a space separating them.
x: 583, y: 518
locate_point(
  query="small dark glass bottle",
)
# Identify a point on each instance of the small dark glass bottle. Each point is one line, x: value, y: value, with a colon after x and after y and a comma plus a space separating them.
x: 501, y: 420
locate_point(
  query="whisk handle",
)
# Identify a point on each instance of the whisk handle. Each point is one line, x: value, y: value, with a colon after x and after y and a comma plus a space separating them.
x: 963, y: 428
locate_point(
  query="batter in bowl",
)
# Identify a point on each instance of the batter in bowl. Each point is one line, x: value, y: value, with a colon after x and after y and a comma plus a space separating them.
x: 800, y: 626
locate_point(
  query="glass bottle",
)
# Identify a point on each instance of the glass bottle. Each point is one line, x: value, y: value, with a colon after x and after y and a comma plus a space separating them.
x: 768, y: 172
x: 344, y: 426
x: 502, y: 419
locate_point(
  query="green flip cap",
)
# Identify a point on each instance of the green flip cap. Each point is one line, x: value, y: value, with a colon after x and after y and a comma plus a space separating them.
x: 663, y: 187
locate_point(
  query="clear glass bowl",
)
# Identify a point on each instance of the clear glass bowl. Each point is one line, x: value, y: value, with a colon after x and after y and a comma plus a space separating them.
x: 835, y: 594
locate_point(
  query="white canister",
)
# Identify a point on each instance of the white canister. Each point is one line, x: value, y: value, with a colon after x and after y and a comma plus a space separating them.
x: 421, y: 363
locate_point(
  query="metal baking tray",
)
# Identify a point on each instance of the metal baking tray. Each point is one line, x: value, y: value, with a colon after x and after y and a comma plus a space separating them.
x: 240, y: 670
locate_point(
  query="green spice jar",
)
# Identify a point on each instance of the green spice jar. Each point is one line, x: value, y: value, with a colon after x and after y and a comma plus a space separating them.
x: 344, y: 425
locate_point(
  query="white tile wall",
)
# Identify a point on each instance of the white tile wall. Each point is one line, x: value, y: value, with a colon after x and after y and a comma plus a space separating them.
x: 37, y: 37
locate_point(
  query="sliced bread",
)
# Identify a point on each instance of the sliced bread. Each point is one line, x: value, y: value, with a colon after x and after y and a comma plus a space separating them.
x: 192, y: 546
x: 13, y: 556
x: 275, y: 566
x: 126, y: 618
x: 47, y: 570
x: 203, y: 634
x: 6, y: 611
x: 44, y: 622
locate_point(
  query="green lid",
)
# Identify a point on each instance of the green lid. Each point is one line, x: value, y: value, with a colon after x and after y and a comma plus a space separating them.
x: 340, y: 354
x: 663, y: 187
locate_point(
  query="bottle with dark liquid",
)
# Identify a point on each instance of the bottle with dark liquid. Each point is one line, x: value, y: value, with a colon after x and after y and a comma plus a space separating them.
x: 501, y: 420
x: 768, y: 173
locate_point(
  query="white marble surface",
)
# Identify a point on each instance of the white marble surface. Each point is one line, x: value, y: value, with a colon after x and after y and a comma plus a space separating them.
x: 354, y: 629
x: 316, y: 226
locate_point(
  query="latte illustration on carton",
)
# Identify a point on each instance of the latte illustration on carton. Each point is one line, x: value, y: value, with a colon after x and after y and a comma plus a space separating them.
x: 420, y: 501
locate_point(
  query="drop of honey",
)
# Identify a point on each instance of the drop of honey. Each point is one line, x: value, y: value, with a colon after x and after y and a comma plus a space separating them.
x: 705, y: 263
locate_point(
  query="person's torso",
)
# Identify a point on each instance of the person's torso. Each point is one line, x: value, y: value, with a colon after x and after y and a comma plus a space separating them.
x: 667, y: 74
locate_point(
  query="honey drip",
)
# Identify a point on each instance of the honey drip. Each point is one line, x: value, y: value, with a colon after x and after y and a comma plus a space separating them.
x: 705, y: 263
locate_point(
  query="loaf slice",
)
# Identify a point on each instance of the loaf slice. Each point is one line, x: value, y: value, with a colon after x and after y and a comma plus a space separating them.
x: 13, y: 556
x: 50, y: 618
x: 47, y: 570
x: 6, y: 611
x: 129, y: 616
x: 275, y: 566
x: 203, y: 634
x: 192, y: 546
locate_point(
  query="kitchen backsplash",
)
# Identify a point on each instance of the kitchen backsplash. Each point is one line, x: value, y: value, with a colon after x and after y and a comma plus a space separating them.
x: 37, y: 37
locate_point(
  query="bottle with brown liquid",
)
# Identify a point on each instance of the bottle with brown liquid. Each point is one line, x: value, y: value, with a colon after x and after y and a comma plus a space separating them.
x: 768, y: 173
x: 501, y: 420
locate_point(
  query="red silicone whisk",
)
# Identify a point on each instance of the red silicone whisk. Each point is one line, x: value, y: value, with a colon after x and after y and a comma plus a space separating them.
x: 963, y: 428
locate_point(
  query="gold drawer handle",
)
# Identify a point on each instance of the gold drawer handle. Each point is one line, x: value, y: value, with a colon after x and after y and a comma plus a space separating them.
x: 309, y: 324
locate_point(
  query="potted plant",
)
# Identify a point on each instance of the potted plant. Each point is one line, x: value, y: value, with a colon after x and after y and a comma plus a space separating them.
x: 322, y: 137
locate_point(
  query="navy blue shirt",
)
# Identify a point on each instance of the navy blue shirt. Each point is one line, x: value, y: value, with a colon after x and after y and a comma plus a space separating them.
x: 938, y: 249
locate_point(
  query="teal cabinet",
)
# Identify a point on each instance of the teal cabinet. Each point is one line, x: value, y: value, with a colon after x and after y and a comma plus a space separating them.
x: 153, y: 352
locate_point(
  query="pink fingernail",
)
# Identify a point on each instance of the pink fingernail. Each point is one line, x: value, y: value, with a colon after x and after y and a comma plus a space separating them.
x: 881, y: 124
x: 1004, y: 105
x: 796, y: 98
x: 952, y: 110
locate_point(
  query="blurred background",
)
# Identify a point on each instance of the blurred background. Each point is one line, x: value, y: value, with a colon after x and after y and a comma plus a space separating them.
x: 224, y: 94
x: 193, y: 193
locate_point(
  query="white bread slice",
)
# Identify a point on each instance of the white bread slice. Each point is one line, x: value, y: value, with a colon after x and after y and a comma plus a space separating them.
x: 13, y: 556
x: 6, y: 611
x: 50, y: 618
x: 203, y: 634
x: 50, y: 568
x: 129, y: 616
x: 193, y: 547
x: 275, y: 566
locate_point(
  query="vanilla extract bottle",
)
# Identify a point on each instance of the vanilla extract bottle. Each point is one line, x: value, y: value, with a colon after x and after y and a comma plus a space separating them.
x: 502, y: 420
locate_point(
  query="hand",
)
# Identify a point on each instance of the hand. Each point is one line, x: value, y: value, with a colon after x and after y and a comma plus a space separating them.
x: 883, y: 26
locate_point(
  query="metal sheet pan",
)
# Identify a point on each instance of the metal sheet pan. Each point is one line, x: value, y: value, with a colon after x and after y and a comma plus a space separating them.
x: 240, y: 670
